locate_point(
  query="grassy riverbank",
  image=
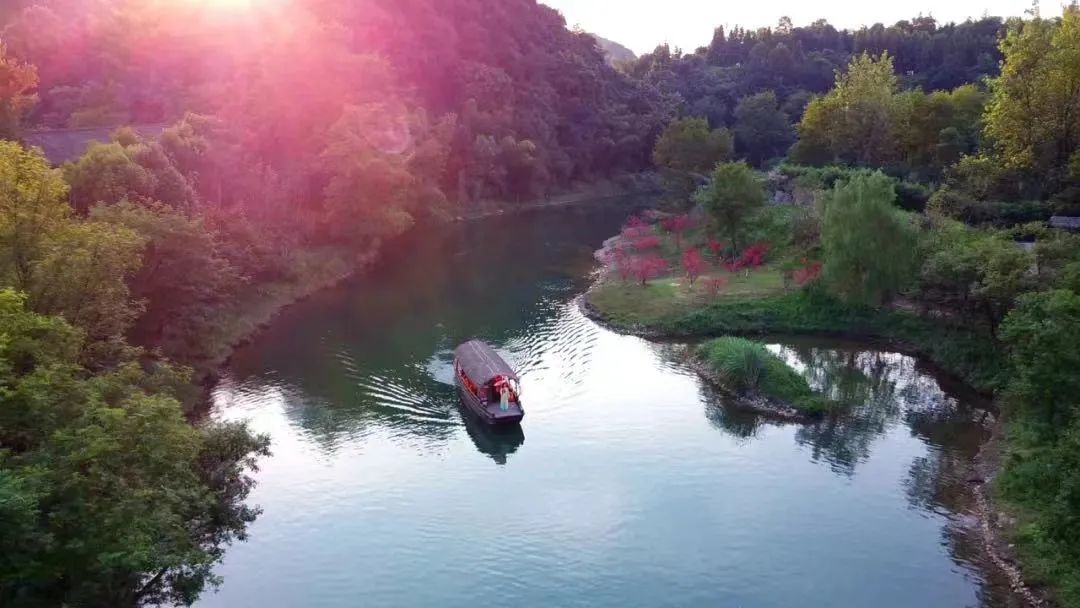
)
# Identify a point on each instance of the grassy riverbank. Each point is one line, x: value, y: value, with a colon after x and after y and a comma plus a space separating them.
x: 962, y: 352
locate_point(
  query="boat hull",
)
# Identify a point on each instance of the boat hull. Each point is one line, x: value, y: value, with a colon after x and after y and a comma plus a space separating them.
x: 489, y: 413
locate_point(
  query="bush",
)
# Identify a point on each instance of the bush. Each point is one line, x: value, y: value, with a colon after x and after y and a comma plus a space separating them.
x: 747, y: 366
x: 952, y: 203
x: 911, y: 196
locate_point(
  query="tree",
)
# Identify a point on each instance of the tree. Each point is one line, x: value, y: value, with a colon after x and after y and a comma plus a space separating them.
x: 1042, y: 333
x: 732, y: 197
x: 869, y: 245
x: 692, y: 264
x: 762, y: 130
x: 856, y: 121
x: 1034, y: 114
x: 687, y: 150
x: 689, y: 146
x: 17, y: 80
x: 646, y: 266
x: 106, y: 173
x: 677, y: 225
x: 109, y: 496
x: 33, y: 205
x: 182, y: 280
x: 82, y: 277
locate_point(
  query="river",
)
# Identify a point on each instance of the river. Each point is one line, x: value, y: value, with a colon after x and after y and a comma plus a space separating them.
x: 630, y: 483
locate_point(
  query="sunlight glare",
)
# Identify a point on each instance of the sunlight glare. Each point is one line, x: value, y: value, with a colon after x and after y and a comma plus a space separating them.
x: 223, y: 4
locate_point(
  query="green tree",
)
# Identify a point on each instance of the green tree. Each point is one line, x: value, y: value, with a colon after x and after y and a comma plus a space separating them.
x: 1034, y: 115
x: 869, y: 245
x: 856, y: 121
x: 82, y: 276
x: 183, y: 279
x: 686, y: 151
x: 732, y: 197
x: 689, y: 146
x: 33, y: 205
x: 1042, y: 333
x: 762, y: 130
x: 107, y: 173
x: 137, y: 171
x: 113, y: 498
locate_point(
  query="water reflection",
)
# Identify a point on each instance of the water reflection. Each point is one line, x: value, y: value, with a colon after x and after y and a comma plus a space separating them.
x: 496, y: 442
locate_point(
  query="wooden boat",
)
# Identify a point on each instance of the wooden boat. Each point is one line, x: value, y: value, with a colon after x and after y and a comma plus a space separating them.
x: 487, y: 384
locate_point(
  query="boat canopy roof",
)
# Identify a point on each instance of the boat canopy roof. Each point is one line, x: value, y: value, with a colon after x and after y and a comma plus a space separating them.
x: 482, y: 364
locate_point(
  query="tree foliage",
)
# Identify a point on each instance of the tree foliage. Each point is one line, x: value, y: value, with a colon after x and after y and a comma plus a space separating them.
x: 762, y: 130
x: 101, y: 476
x: 731, y: 198
x: 869, y: 245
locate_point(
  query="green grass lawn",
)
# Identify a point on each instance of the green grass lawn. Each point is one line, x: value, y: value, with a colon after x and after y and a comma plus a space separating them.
x: 630, y: 303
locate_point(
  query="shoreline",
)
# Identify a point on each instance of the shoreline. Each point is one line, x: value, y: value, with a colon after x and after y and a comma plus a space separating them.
x: 994, y: 524
x: 208, y: 372
x: 757, y: 403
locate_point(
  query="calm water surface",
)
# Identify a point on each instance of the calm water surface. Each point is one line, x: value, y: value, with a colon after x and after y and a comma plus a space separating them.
x: 629, y: 484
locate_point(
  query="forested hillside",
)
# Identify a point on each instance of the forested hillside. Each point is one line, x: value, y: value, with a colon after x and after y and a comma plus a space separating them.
x: 772, y: 70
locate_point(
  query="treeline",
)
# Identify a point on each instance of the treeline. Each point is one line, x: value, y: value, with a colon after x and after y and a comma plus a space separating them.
x: 726, y: 81
x: 521, y: 105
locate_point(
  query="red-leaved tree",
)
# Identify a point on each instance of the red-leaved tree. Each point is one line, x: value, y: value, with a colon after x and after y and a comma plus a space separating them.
x: 808, y: 273
x: 645, y: 267
x: 635, y: 228
x: 754, y: 256
x: 677, y: 225
x: 716, y: 247
x: 693, y: 264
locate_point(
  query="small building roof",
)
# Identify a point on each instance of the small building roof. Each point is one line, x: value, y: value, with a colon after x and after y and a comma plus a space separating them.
x: 480, y: 363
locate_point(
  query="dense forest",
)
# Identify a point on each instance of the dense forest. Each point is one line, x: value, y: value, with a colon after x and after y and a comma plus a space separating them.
x: 300, y: 135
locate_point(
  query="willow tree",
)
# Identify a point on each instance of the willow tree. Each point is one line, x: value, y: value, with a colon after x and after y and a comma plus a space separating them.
x: 870, y: 245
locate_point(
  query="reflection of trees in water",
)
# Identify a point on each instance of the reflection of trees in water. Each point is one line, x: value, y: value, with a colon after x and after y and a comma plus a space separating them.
x: 877, y: 391
x: 882, y: 390
x: 739, y: 423
x: 865, y: 383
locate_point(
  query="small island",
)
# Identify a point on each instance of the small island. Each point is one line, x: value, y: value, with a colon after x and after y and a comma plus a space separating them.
x: 759, y: 379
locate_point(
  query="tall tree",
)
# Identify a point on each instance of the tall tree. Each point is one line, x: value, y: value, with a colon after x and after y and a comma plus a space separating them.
x: 17, y: 82
x: 856, y: 121
x: 870, y: 246
x: 762, y: 130
x: 33, y: 205
x: 105, y: 498
x: 1034, y: 114
x: 734, y: 194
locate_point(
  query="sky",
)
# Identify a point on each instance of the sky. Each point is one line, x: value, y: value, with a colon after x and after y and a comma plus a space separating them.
x: 642, y: 24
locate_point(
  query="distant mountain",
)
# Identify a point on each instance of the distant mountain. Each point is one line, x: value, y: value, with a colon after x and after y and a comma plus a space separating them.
x: 615, y: 52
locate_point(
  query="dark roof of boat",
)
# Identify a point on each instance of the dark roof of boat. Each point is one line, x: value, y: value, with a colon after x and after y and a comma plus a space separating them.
x: 480, y: 363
